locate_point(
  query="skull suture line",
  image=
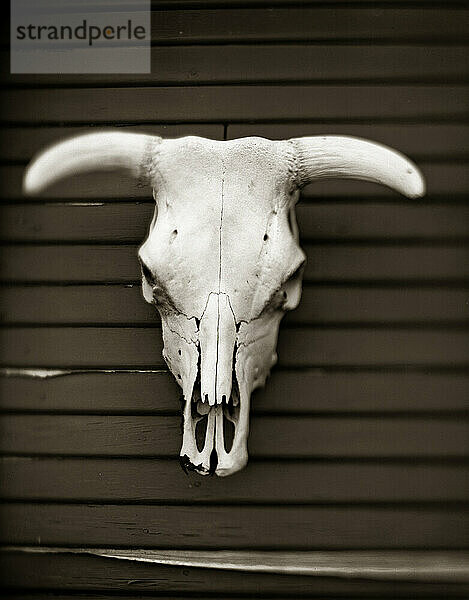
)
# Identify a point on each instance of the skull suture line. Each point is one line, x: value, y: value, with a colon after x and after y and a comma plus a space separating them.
x: 222, y: 261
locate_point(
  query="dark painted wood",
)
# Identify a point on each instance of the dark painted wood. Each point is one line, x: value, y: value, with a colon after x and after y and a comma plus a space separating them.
x: 120, y: 304
x: 276, y: 63
x: 312, y: 392
x: 213, y: 103
x: 326, y: 263
x: 280, y: 527
x: 286, y: 436
x: 89, y: 573
x: 402, y: 262
x: 100, y: 596
x: 297, y: 347
x: 443, y: 180
x: 435, y: 566
x: 352, y: 4
x: 262, y: 3
x: 309, y: 24
x: 129, y: 222
x: 157, y: 5
x: 134, y: 480
x: 22, y: 595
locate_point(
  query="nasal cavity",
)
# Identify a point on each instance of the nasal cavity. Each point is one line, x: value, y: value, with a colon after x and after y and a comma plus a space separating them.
x: 213, y: 462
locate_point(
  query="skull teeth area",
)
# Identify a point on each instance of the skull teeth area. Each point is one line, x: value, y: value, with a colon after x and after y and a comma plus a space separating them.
x: 225, y: 415
x: 215, y: 436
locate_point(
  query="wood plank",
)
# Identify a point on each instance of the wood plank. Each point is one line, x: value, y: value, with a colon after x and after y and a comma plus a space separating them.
x: 120, y: 304
x: 419, y: 140
x: 275, y: 63
x: 226, y: 3
x: 326, y: 263
x: 228, y: 103
x: 100, y: 596
x: 156, y: 5
x: 270, y: 437
x: 309, y: 24
x: 112, y: 347
x: 128, y: 222
x: 29, y: 571
x: 372, y: 220
x: 346, y: 262
x: 262, y: 3
x: 312, y: 392
x: 21, y: 143
x: 134, y: 480
x: 407, y: 565
x: 443, y: 180
x: 214, y: 527
x: 318, y: 23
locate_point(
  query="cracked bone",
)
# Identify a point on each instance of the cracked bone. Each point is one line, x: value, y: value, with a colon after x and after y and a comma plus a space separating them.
x: 222, y: 261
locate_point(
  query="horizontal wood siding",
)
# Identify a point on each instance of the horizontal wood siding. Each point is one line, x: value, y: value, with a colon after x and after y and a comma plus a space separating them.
x: 332, y: 221
x: 290, y: 62
x: 134, y: 480
x: 220, y: 103
x: 357, y: 391
x: 360, y: 439
x: 423, y: 141
x: 346, y: 262
x: 282, y: 436
x: 279, y: 527
x: 125, y: 347
x: 121, y: 304
x: 86, y: 574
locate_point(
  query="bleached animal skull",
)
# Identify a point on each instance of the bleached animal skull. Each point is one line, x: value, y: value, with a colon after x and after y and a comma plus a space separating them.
x: 222, y: 261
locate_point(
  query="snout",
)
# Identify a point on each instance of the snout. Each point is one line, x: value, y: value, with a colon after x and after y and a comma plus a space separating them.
x: 215, y: 417
x: 218, y: 362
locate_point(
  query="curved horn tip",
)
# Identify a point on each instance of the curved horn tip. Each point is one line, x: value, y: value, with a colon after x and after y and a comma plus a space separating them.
x: 86, y: 152
x: 415, y: 186
x: 31, y: 186
x: 349, y: 157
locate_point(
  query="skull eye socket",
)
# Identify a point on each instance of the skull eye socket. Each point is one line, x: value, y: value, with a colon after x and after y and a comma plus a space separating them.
x: 288, y: 294
x: 160, y: 296
x: 293, y: 277
x: 147, y: 273
x: 291, y: 289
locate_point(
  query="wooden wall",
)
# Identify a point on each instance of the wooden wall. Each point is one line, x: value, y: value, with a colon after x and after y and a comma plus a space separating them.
x: 361, y: 438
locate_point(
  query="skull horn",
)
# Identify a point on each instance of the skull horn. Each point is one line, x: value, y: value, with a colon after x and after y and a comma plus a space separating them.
x: 91, y: 151
x: 325, y: 157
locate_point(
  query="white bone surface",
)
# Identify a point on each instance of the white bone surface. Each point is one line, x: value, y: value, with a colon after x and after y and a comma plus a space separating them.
x: 222, y: 261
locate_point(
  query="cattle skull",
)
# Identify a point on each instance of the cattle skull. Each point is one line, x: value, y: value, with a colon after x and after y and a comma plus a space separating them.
x: 222, y: 262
